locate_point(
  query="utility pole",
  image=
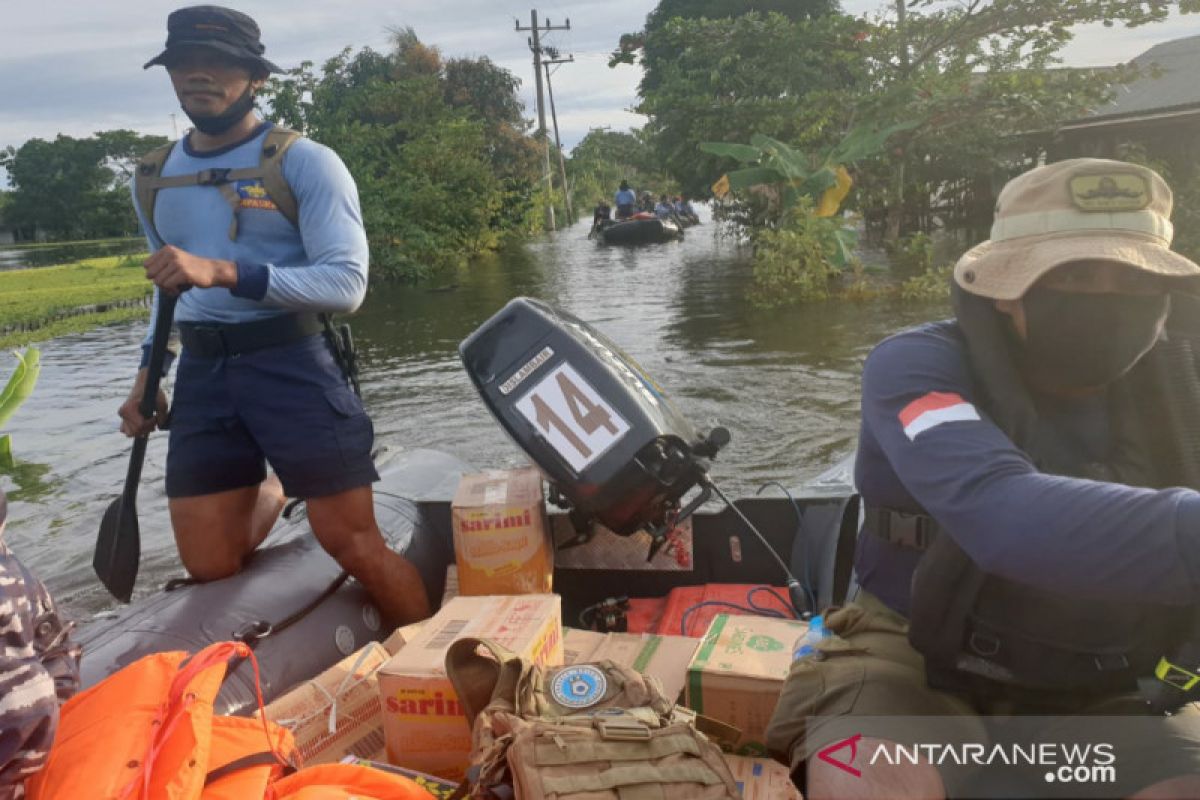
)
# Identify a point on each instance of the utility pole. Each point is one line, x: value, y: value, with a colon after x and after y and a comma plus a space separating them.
x: 562, y: 161
x: 535, y: 44
x: 895, y: 220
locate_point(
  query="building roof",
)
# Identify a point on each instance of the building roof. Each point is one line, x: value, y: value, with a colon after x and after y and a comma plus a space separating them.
x: 1174, y: 90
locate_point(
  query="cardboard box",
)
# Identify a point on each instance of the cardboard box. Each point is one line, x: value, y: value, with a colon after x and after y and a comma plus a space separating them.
x: 451, y: 588
x: 762, y: 779
x: 578, y: 645
x: 358, y: 725
x: 401, y: 636
x: 739, y: 670
x: 501, y: 536
x: 664, y: 657
x: 424, y: 726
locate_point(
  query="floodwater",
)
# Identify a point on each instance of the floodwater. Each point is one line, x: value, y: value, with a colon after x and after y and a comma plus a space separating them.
x: 784, y: 382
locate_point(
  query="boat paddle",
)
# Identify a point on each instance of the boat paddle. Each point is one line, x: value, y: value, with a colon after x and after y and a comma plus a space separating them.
x: 118, y: 546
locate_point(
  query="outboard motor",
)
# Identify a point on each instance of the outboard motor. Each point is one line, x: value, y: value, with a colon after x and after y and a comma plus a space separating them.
x: 611, y: 444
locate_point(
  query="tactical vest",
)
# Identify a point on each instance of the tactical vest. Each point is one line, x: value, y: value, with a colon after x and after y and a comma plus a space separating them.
x: 988, y: 635
x: 148, y: 179
x: 596, y: 731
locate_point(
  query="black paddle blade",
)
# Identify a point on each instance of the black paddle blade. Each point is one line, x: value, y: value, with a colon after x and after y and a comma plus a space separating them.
x: 118, y: 549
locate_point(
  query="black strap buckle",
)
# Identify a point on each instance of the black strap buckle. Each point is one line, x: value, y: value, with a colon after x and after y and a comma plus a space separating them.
x: 213, y: 177
x: 914, y: 531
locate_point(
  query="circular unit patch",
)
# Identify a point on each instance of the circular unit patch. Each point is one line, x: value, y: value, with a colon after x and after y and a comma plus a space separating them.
x: 579, y: 687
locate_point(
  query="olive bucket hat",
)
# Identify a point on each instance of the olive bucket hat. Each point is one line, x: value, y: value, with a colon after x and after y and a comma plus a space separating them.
x: 231, y: 32
x: 1084, y: 209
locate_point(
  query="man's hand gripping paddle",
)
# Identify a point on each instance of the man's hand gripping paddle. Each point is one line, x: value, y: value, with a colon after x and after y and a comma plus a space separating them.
x: 118, y: 547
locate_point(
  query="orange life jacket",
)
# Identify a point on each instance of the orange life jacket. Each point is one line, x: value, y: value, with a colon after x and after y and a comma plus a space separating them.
x: 148, y: 732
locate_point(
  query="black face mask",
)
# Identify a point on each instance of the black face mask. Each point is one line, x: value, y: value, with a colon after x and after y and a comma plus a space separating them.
x: 217, y: 124
x: 1076, y: 340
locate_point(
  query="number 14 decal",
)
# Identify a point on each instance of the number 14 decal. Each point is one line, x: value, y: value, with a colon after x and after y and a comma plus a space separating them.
x: 572, y: 417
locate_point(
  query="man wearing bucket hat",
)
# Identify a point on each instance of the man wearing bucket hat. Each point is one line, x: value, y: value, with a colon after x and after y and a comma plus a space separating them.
x: 39, y: 668
x: 263, y: 230
x: 1031, y: 543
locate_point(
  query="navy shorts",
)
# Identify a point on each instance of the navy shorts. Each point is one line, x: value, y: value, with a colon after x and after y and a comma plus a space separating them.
x: 287, y: 405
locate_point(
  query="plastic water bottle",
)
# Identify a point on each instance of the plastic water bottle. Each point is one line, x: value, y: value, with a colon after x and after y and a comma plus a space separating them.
x: 806, y: 645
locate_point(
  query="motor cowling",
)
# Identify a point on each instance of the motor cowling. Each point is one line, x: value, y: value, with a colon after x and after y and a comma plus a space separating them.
x: 612, y: 445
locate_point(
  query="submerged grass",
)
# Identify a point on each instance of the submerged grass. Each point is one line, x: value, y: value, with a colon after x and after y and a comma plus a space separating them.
x: 43, y: 302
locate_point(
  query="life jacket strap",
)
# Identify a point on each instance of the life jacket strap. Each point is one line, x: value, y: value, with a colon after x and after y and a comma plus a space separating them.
x: 914, y: 531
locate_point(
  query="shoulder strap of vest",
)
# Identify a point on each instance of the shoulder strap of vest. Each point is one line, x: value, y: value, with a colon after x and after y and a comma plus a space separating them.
x: 145, y: 183
x: 482, y: 680
x: 275, y: 145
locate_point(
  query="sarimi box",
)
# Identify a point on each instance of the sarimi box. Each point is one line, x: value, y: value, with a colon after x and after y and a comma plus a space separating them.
x: 423, y: 723
x: 501, y: 538
x: 739, y: 671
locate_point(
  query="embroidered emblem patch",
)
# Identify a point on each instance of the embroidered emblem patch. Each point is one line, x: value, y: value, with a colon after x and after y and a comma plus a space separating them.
x: 1113, y: 191
x: 579, y: 687
x: 254, y: 195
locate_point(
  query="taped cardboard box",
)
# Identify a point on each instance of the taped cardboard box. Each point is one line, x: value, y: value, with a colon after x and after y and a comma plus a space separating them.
x: 501, y: 536
x: 401, y: 636
x: 664, y: 657
x: 762, y: 779
x: 337, y: 712
x: 424, y: 726
x: 738, y: 673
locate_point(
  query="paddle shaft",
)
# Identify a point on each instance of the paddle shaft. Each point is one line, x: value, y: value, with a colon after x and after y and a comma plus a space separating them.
x: 149, y: 405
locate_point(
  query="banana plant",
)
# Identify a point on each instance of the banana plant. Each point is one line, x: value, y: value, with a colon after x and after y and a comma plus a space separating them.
x: 822, y: 176
x: 19, y: 387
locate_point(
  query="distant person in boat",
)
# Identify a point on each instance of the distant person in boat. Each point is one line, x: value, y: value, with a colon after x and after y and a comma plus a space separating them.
x: 664, y: 209
x: 626, y: 201
x: 1029, y: 473
x: 258, y: 383
x: 683, y: 207
x: 39, y: 669
x: 646, y: 203
x: 601, y: 215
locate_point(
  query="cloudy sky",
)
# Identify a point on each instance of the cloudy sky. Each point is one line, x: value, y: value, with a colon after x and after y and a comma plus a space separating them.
x: 74, y: 66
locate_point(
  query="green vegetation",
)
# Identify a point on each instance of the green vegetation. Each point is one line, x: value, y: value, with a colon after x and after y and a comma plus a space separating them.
x: 74, y: 188
x: 967, y: 93
x: 438, y: 147
x: 15, y: 392
x: 604, y: 158
x: 40, y: 303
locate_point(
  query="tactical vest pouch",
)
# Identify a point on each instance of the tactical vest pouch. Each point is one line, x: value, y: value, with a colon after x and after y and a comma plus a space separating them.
x: 970, y: 625
x: 589, y: 731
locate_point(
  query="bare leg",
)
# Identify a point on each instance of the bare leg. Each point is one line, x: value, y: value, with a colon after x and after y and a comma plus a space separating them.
x: 877, y: 782
x: 345, y: 526
x: 215, y: 532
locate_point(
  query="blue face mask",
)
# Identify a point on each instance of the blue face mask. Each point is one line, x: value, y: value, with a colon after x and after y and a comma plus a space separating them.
x: 1077, y: 340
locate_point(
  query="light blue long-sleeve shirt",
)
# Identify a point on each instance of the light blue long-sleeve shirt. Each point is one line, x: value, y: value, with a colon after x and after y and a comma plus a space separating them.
x: 320, y: 267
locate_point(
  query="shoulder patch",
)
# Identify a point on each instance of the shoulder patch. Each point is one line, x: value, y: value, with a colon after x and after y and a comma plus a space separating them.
x: 935, y: 408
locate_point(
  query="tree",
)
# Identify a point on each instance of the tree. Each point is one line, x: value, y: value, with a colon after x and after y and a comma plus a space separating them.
x: 438, y: 148
x: 604, y: 158
x: 75, y: 187
x: 981, y: 75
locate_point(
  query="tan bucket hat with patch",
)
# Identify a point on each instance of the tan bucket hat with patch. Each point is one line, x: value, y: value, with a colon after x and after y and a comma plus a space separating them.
x: 1083, y: 209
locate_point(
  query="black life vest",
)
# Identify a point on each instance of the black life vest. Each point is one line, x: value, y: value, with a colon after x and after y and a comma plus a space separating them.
x: 982, y: 632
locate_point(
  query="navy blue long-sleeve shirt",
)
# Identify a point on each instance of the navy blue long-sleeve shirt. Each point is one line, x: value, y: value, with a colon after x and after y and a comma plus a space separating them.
x: 925, y: 445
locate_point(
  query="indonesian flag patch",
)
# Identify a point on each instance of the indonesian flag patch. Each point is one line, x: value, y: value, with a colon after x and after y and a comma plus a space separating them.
x: 935, y: 409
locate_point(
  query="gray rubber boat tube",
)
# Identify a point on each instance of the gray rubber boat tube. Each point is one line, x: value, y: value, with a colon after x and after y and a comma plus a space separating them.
x: 286, y: 576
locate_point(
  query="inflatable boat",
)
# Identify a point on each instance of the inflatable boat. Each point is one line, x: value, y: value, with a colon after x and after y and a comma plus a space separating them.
x: 644, y: 229
x: 291, y: 603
